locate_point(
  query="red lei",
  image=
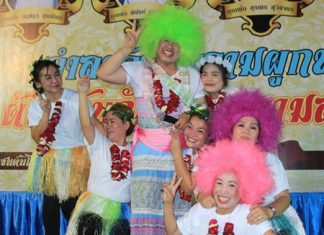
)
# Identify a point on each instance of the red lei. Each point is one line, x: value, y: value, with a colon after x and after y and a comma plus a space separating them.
x: 189, y: 166
x: 213, y: 228
x: 215, y: 103
x: 120, y: 163
x: 47, y: 137
x: 174, y: 100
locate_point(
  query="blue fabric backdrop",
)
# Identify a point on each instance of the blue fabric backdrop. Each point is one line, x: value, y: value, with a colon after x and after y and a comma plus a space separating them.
x: 21, y: 213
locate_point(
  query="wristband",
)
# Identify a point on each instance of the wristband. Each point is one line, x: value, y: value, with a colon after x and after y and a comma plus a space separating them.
x: 273, y: 211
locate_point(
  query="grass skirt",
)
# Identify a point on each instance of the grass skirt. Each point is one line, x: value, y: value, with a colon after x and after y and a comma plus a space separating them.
x: 105, y: 212
x: 60, y: 172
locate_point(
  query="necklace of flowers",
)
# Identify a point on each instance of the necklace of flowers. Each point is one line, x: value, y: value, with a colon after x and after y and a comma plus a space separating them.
x: 120, y: 163
x: 213, y: 228
x: 47, y: 137
x: 174, y: 100
x: 215, y: 103
x: 189, y: 166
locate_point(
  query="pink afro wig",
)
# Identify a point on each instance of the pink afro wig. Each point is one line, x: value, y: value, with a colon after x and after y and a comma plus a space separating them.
x: 247, y: 103
x: 244, y: 159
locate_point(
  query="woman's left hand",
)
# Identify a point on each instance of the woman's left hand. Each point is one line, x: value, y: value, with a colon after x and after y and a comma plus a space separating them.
x: 258, y: 214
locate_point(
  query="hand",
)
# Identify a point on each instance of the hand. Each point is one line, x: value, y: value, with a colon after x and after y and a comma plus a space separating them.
x: 131, y: 38
x: 175, y: 141
x: 169, y: 189
x: 206, y: 201
x: 258, y: 214
x: 45, y: 104
x: 83, y: 84
x: 182, y: 122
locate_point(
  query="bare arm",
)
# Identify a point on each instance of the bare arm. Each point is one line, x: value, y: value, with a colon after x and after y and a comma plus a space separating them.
x: 180, y: 167
x: 87, y: 124
x: 36, y: 131
x: 259, y: 213
x: 170, y: 221
x: 111, y: 70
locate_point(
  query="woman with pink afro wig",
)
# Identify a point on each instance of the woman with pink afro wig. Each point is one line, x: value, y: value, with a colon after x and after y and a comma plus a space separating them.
x: 242, y: 158
x: 224, y: 173
x: 251, y: 115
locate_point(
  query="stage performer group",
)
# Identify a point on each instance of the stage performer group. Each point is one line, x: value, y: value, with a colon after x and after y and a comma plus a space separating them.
x: 200, y: 158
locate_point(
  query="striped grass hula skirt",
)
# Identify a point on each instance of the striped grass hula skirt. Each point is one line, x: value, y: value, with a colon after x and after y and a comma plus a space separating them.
x: 99, y: 215
x: 60, y: 172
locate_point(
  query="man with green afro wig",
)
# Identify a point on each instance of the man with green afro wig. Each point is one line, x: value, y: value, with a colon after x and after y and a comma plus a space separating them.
x: 164, y: 87
x: 176, y: 25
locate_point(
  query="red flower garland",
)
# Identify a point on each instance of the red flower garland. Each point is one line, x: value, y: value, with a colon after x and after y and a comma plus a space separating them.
x: 189, y: 166
x: 120, y: 163
x: 174, y: 100
x: 214, y: 105
x: 47, y: 137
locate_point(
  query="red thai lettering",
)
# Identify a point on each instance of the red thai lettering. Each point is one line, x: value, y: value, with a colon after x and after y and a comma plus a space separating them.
x: 319, y: 112
x: 301, y: 108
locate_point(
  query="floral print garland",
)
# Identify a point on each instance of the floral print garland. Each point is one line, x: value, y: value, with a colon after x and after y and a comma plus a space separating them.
x: 215, y: 103
x: 47, y: 137
x: 189, y: 166
x: 174, y: 100
x: 120, y: 163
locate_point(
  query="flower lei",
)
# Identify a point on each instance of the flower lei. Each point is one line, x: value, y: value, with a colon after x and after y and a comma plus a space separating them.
x: 120, y: 163
x: 215, y: 103
x: 174, y: 100
x: 210, y: 59
x: 189, y: 166
x: 47, y: 137
x: 213, y: 228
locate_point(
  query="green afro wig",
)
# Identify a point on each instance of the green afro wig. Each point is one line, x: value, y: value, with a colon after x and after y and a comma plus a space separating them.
x: 175, y: 24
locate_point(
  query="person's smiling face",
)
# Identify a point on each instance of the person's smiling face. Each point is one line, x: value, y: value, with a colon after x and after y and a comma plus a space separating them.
x: 211, y: 78
x: 226, y: 193
x: 167, y: 52
x: 196, y: 133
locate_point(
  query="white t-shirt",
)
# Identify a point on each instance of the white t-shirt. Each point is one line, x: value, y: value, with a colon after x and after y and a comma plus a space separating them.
x: 100, y: 181
x: 196, y: 221
x: 68, y: 132
x: 279, y: 176
x: 135, y: 78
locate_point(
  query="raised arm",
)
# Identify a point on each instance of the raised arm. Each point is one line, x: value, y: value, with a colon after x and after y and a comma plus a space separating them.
x: 180, y: 167
x: 111, y: 69
x: 170, y: 221
x: 87, y: 125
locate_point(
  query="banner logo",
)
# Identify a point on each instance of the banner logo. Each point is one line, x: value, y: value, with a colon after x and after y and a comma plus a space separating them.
x: 32, y: 17
x: 260, y: 16
x: 131, y: 10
